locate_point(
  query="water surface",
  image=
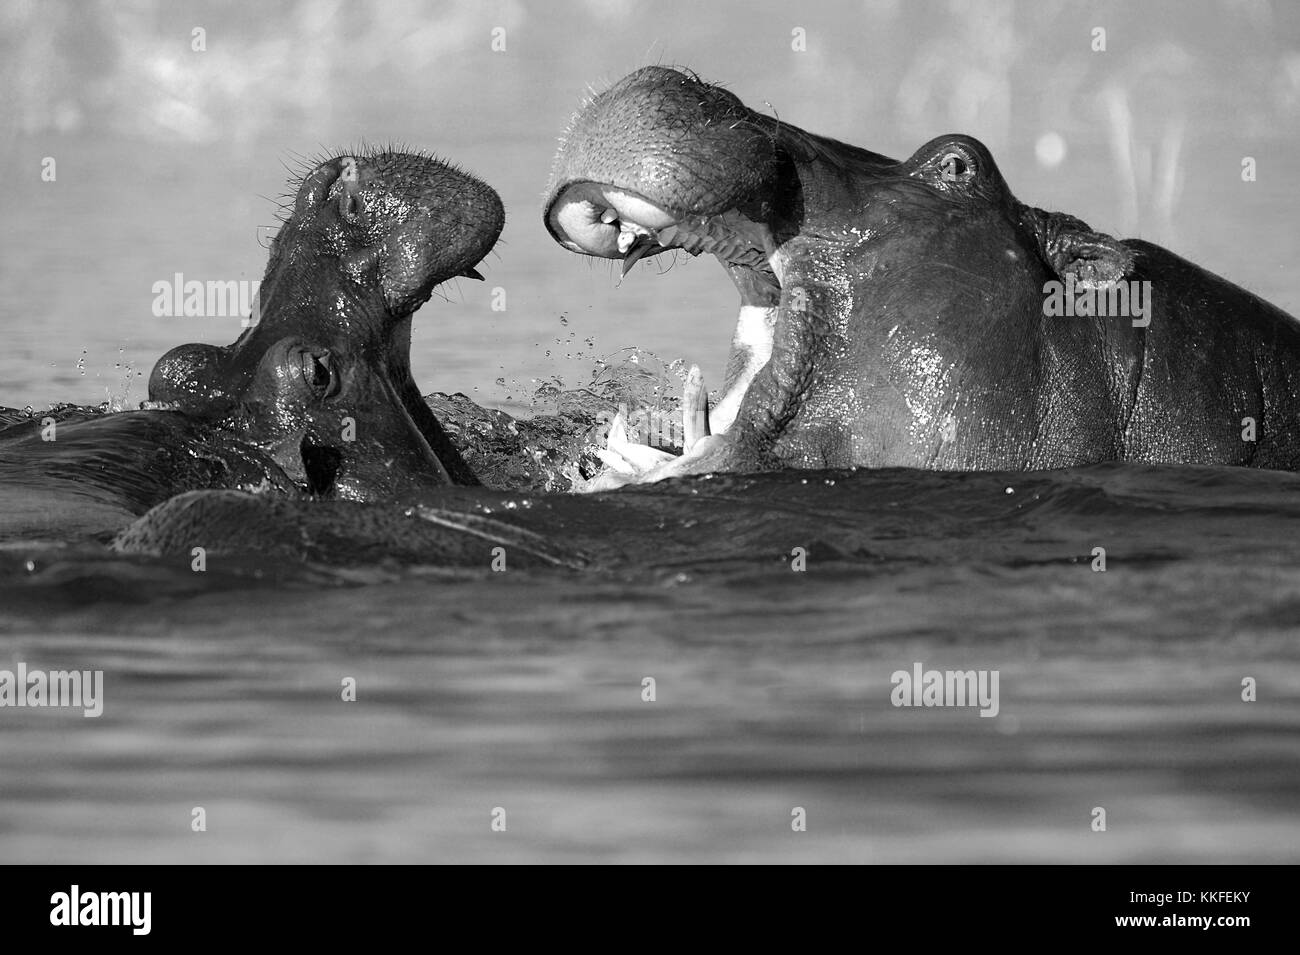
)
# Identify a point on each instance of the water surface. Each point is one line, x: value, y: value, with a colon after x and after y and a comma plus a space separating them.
x: 523, y: 690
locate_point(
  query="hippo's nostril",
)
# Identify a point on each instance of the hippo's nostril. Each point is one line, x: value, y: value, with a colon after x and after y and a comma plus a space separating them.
x: 315, y: 188
x: 350, y: 205
x: 320, y: 464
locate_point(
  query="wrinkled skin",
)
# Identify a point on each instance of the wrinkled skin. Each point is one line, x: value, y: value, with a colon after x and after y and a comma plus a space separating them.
x: 893, y: 313
x: 322, y: 383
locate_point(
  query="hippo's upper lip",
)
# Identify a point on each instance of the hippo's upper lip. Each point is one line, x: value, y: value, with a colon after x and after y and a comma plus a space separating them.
x: 589, y: 217
x: 595, y: 219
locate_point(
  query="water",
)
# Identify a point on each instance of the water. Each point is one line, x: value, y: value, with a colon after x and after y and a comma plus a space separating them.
x: 523, y: 690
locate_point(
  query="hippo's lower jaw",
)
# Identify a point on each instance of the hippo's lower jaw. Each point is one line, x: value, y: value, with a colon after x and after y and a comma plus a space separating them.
x: 908, y: 313
x: 323, y: 381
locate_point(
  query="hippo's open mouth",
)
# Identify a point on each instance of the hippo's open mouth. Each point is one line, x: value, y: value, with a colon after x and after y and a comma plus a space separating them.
x: 323, y: 381
x: 664, y: 161
x: 601, y: 220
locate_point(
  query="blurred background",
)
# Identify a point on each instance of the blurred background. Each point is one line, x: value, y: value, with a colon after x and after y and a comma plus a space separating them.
x: 169, y: 158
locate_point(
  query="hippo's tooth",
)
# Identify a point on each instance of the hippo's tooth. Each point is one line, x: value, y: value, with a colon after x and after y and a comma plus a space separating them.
x: 635, y: 253
x: 695, y: 409
x: 472, y: 273
x: 608, y: 216
x: 625, y: 240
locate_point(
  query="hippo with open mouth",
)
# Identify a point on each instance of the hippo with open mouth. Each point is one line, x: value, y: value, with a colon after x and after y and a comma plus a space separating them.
x: 314, y: 401
x: 322, y: 383
x: 915, y: 313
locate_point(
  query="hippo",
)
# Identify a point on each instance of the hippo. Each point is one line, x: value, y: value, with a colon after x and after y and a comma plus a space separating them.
x: 314, y: 401
x: 322, y: 382
x: 79, y: 474
x: 915, y: 313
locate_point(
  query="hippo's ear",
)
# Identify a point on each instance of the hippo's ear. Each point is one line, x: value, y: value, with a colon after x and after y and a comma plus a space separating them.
x: 191, y: 376
x: 1093, y: 259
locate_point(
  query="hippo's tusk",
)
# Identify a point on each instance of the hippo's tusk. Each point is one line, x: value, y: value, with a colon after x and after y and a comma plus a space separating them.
x: 636, y: 249
x: 695, y: 410
x: 472, y: 273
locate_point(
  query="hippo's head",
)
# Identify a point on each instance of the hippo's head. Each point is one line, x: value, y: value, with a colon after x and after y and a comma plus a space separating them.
x: 323, y: 380
x: 655, y: 153
x: 899, y: 282
x: 662, y: 160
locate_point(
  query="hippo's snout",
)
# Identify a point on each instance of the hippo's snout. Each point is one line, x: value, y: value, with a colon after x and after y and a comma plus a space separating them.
x: 662, y: 160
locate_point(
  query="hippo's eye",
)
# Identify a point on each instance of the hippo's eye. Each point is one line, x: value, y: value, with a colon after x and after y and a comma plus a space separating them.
x: 956, y: 165
x: 953, y: 167
x: 318, y: 372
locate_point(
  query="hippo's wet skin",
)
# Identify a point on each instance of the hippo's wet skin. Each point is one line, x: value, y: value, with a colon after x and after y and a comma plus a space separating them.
x: 322, y: 382
x: 894, y: 313
x: 75, y: 474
